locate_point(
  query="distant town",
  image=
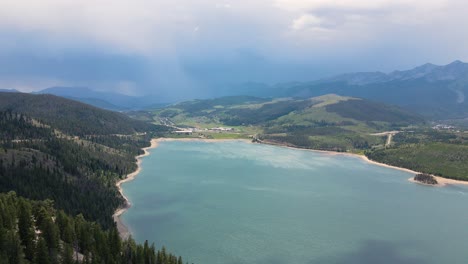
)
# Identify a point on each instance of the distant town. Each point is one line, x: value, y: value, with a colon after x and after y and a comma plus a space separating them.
x: 189, y: 131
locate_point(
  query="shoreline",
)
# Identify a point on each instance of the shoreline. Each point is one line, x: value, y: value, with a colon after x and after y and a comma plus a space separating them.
x: 441, y: 181
x: 207, y: 140
x: 121, y: 228
x: 125, y: 233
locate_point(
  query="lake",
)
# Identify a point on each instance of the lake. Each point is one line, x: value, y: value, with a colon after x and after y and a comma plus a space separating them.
x: 236, y: 202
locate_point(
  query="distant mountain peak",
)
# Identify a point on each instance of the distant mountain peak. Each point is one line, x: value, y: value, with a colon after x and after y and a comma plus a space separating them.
x: 456, y: 62
x: 427, y: 66
x: 428, y: 71
x: 66, y: 90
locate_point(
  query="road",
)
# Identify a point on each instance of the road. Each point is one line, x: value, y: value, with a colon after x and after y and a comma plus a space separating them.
x: 389, y: 135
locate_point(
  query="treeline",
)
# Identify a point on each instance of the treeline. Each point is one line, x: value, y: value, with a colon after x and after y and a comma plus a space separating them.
x: 267, y: 112
x: 365, y: 110
x: 130, y: 144
x: 425, y: 178
x: 15, y: 126
x: 34, y: 232
x: 322, y: 138
x: 432, y: 135
x: 199, y: 107
x: 440, y: 153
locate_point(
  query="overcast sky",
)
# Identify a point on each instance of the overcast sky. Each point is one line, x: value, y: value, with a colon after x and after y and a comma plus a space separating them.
x: 190, y: 46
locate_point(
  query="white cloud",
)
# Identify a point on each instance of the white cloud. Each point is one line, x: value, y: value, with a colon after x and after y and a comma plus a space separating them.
x: 339, y: 14
x: 306, y: 21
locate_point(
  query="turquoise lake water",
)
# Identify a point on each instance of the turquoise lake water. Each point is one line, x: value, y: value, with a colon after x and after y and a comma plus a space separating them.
x: 235, y: 202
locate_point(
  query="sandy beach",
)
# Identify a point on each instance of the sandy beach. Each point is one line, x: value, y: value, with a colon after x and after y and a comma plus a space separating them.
x: 124, y: 232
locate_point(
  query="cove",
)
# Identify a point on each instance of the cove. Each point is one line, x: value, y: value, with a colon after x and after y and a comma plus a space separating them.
x: 236, y: 202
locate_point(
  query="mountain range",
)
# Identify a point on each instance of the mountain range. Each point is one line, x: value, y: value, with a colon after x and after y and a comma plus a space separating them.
x: 107, y: 100
x: 436, y: 92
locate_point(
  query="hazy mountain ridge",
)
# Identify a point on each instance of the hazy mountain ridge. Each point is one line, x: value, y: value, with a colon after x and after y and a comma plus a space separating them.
x: 9, y: 91
x: 107, y: 100
x: 456, y: 70
x: 437, y: 92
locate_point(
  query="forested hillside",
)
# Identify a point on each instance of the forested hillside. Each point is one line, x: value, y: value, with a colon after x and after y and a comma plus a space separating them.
x: 71, y: 154
x: 69, y: 116
x: 38, y: 160
x: 441, y: 153
x: 35, y: 232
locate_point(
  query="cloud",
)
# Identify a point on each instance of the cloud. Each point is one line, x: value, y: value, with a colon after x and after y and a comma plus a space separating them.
x: 340, y: 14
x: 141, y: 26
x: 306, y: 21
x: 314, y: 5
x: 174, y: 46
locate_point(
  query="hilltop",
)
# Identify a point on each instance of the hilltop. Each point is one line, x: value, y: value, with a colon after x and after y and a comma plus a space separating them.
x: 71, y: 116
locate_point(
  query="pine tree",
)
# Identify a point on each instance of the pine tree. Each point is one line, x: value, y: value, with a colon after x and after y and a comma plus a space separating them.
x: 14, y: 251
x: 115, y: 241
x: 67, y: 255
x: 42, y: 253
x: 26, y: 228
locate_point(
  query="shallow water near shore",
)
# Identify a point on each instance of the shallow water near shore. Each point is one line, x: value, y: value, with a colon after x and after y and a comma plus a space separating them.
x: 235, y: 202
